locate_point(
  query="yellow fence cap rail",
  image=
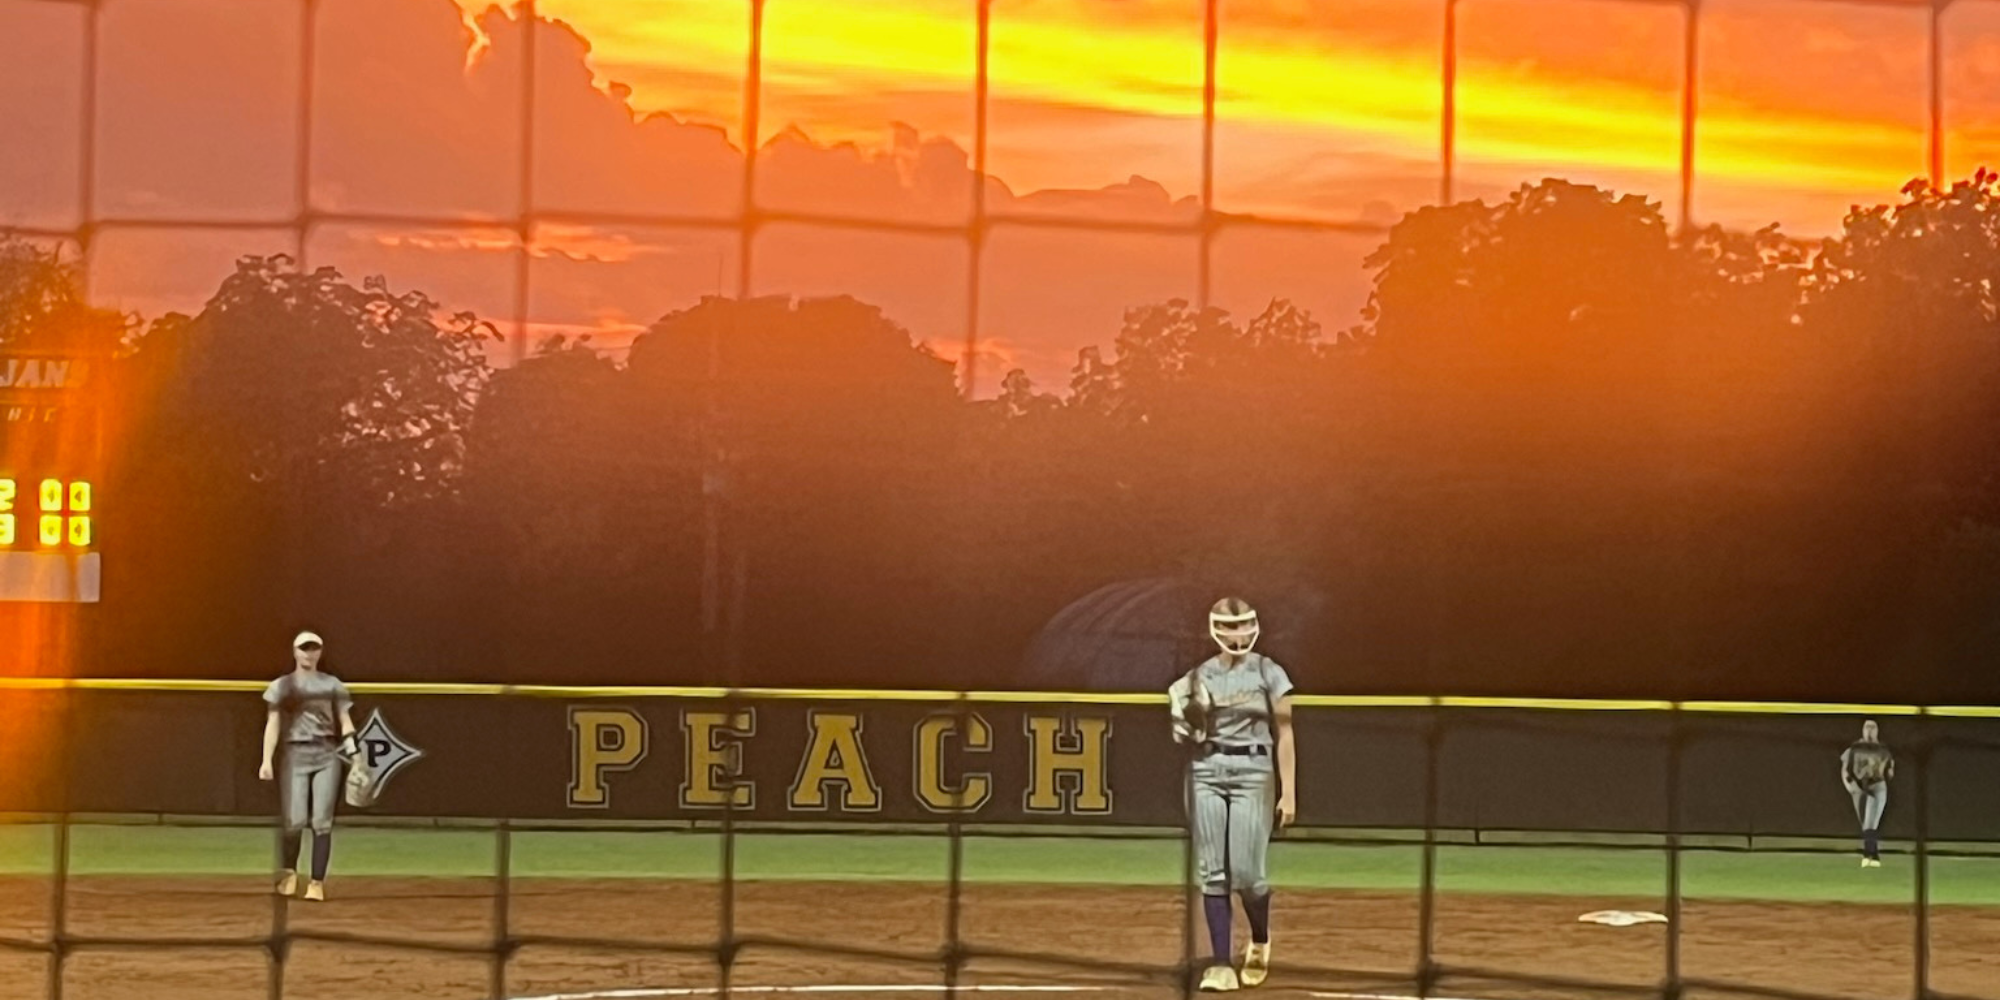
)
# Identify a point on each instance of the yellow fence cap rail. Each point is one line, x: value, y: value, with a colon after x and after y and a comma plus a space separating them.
x: 580, y: 692
x: 1965, y: 711
x: 1799, y: 708
x: 1561, y: 704
x: 1364, y: 700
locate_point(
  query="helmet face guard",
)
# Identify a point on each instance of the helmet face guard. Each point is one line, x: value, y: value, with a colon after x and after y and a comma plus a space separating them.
x: 1236, y: 632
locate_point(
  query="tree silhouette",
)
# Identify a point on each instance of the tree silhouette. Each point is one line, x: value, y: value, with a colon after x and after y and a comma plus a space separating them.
x: 363, y: 394
x: 581, y: 518
x: 1904, y: 300
x: 1542, y: 364
x: 1020, y: 400
x: 1565, y: 450
x: 1193, y: 450
x: 542, y: 456
x: 42, y: 307
x: 284, y: 431
x: 829, y: 434
x: 1900, y: 312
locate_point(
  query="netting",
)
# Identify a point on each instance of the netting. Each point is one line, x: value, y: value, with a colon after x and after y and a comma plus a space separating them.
x: 529, y: 219
x: 502, y: 941
x: 1623, y: 808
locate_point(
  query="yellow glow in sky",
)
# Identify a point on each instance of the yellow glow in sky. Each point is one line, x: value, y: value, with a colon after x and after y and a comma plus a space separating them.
x: 843, y: 70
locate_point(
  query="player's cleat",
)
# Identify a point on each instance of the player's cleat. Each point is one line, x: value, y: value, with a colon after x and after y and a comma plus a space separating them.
x: 316, y: 891
x: 1871, y: 862
x: 1219, y: 979
x: 1256, y: 963
x: 289, y: 884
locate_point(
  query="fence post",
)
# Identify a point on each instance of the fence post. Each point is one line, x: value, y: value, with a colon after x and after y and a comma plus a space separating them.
x: 279, y: 945
x: 503, y: 935
x: 59, y: 888
x: 1427, y: 969
x: 1672, y: 989
x: 1922, y: 856
x: 726, y: 945
x: 1190, y: 886
x: 954, y: 950
x: 1448, y: 117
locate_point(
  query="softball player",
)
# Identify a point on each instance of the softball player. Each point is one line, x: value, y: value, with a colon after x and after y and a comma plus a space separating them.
x: 303, y: 709
x: 1235, y: 712
x: 1865, y: 769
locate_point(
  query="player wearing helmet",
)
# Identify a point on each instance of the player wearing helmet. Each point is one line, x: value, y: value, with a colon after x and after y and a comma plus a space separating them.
x: 1234, y: 712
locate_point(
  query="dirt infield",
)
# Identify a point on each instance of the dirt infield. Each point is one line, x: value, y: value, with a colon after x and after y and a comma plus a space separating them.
x: 1835, y: 949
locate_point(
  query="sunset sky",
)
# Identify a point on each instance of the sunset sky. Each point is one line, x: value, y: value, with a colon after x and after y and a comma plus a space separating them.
x: 1824, y: 100
x: 1328, y: 109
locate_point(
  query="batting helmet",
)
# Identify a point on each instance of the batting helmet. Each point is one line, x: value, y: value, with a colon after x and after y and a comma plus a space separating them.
x: 1232, y: 623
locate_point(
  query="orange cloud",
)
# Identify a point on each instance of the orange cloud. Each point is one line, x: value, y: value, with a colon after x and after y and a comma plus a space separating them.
x: 1823, y: 102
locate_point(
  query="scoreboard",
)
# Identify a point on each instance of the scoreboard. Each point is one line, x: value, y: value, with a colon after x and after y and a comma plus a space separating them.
x: 60, y: 515
x: 51, y: 451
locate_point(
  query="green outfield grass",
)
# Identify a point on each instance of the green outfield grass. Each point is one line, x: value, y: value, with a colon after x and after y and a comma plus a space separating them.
x: 1392, y: 866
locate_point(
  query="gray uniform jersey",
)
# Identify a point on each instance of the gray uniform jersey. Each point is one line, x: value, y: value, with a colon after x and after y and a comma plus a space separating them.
x: 1868, y: 762
x: 1231, y: 796
x: 309, y: 704
x: 1239, y: 701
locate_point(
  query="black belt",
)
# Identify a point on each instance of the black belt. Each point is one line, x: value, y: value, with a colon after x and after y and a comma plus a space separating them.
x: 1249, y: 751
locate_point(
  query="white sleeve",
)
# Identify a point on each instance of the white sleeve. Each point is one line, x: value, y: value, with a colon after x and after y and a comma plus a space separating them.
x: 1177, y: 702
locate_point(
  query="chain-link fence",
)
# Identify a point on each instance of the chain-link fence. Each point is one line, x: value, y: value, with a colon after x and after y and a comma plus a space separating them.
x: 1710, y: 841
x: 529, y: 223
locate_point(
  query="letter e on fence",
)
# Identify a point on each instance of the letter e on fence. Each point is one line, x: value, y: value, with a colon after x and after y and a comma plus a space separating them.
x: 714, y: 778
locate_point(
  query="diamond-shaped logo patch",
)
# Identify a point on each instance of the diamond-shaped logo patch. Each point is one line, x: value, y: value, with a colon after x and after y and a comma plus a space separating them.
x: 380, y: 753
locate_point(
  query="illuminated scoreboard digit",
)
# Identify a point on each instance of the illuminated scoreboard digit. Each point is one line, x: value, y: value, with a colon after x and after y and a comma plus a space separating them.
x: 60, y: 513
x: 50, y: 452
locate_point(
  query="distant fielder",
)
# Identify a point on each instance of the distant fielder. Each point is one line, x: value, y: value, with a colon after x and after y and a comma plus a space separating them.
x: 304, y: 709
x: 1865, y: 769
x: 1235, y: 712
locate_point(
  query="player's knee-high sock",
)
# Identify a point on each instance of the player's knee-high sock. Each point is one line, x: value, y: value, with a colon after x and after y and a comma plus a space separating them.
x: 1871, y: 842
x: 1258, y: 910
x: 322, y: 853
x: 1218, y: 912
x: 288, y: 858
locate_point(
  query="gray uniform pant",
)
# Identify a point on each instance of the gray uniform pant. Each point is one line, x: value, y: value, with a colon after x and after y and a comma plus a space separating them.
x: 1869, y: 801
x: 311, y: 786
x: 1233, y: 809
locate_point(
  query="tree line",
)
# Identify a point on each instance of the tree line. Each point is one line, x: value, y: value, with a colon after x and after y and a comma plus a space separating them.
x: 1565, y: 450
